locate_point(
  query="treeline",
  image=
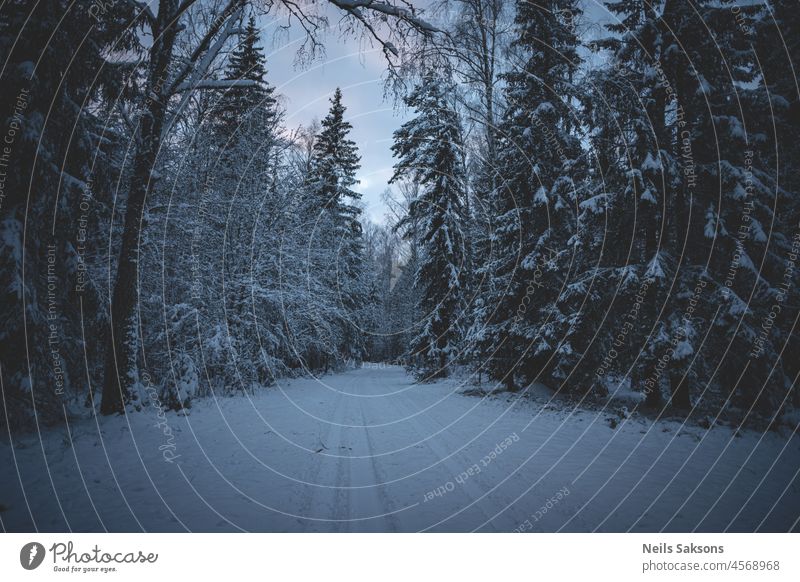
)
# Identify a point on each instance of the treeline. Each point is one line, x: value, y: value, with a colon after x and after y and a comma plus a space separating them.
x: 590, y: 207
x: 165, y: 235
x: 613, y: 207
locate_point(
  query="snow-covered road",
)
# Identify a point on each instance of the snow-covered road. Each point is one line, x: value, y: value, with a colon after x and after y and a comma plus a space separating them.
x: 368, y: 450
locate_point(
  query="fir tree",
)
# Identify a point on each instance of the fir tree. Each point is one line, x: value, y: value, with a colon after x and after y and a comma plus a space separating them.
x: 620, y: 263
x: 686, y: 213
x: 775, y: 36
x: 244, y: 122
x: 724, y: 226
x: 536, y: 197
x: 703, y: 61
x: 62, y: 156
x: 429, y: 148
x: 333, y: 206
x: 251, y: 108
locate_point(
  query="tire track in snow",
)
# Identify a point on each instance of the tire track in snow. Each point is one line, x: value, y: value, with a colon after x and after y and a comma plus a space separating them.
x: 373, y: 500
x: 319, y: 507
x: 446, y: 453
x: 348, y: 496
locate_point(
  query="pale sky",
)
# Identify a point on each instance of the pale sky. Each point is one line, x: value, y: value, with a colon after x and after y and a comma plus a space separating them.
x: 359, y: 71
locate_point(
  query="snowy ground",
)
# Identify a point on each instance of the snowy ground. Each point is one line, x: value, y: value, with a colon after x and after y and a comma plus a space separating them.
x: 368, y: 450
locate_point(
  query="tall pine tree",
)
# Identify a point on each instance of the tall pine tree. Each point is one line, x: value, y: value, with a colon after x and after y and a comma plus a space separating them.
x: 334, y: 208
x: 535, y: 201
x: 249, y: 109
x: 430, y: 152
x: 244, y: 123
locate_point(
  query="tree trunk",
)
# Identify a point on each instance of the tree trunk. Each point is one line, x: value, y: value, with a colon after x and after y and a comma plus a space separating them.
x: 680, y: 391
x: 120, y: 366
x: 653, y: 396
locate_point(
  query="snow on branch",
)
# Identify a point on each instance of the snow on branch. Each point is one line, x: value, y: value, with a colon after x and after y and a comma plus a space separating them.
x: 405, y: 14
x: 193, y: 73
x: 360, y: 9
x: 198, y: 63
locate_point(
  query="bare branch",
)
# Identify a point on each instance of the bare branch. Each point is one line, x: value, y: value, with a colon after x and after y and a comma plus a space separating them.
x: 209, y: 52
x: 408, y: 15
x: 225, y: 18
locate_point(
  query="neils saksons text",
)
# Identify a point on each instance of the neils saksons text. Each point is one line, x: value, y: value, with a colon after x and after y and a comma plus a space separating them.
x: 664, y: 548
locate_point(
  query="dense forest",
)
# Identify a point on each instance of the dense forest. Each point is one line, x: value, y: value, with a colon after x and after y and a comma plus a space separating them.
x: 593, y: 205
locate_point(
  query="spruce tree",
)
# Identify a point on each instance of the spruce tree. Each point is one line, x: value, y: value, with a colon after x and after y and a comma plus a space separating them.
x: 244, y: 126
x: 334, y: 208
x: 535, y: 199
x: 775, y: 36
x: 63, y: 154
x: 711, y: 119
x: 731, y: 208
x: 621, y: 263
x: 430, y: 152
x: 251, y: 108
x: 683, y: 178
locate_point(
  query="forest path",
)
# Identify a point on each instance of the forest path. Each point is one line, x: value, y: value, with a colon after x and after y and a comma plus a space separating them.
x: 371, y: 450
x: 379, y: 438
